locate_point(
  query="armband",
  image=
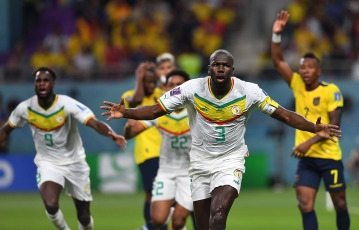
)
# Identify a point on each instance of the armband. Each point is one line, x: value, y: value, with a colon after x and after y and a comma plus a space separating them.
x: 268, y: 106
x: 276, y: 38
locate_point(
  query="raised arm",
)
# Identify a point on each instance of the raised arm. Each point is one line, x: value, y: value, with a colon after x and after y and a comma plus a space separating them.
x: 133, y: 128
x: 276, y: 50
x: 299, y: 122
x: 118, y: 111
x: 104, y: 129
x: 139, y: 93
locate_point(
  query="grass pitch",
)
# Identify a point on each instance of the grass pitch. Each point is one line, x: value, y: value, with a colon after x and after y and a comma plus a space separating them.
x: 255, y: 209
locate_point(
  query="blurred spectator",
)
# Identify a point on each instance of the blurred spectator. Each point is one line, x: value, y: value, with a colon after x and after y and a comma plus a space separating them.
x: 191, y: 62
x: 85, y: 65
x: 41, y: 57
x: 55, y: 40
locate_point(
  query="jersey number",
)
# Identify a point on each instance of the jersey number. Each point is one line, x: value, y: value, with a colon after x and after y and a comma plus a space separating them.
x: 335, y: 173
x: 48, y: 139
x: 157, y: 187
x: 221, y: 134
x: 178, y: 142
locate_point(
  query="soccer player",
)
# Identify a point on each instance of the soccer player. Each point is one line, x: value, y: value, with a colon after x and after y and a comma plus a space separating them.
x: 218, y: 109
x: 165, y: 63
x: 172, y: 182
x: 147, y: 144
x: 60, y: 158
x: 319, y: 157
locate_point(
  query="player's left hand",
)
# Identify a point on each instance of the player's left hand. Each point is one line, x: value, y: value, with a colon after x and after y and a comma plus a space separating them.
x: 300, y: 150
x: 327, y: 130
x: 118, y: 139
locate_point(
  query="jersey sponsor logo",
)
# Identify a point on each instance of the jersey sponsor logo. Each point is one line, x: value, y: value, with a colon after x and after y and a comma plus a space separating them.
x: 337, y: 96
x: 316, y: 101
x: 81, y: 107
x: 175, y: 91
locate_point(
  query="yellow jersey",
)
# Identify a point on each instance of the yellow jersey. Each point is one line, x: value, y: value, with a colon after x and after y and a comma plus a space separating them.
x: 311, y: 104
x: 147, y: 143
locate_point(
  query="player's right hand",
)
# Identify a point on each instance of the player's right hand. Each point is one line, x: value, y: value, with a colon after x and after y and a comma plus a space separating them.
x: 282, y: 19
x: 115, y: 110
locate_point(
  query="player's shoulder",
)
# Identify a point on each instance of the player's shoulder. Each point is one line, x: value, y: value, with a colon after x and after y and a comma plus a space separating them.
x: 128, y: 93
x: 330, y: 86
x: 244, y: 85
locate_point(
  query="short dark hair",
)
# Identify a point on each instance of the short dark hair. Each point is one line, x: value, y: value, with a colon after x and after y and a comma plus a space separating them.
x: 178, y: 72
x: 311, y: 55
x: 48, y: 69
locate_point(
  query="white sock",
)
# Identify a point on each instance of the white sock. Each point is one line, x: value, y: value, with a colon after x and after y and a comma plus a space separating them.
x: 58, y: 220
x: 88, y: 227
x: 172, y: 210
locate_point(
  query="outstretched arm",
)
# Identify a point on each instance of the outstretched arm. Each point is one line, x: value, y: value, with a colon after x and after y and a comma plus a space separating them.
x: 299, y: 122
x: 133, y: 128
x: 276, y: 50
x: 105, y: 129
x: 118, y: 111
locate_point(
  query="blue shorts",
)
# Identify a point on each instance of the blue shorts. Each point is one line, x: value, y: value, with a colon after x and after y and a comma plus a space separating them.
x: 148, y: 171
x: 310, y: 171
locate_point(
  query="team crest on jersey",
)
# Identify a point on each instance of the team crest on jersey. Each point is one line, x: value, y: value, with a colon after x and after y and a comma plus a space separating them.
x: 175, y: 91
x: 237, y: 173
x: 235, y: 110
x: 59, y: 119
x: 316, y: 101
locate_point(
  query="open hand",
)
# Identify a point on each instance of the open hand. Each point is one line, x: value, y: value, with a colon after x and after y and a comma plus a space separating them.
x: 282, y: 19
x: 115, y: 110
x: 327, y: 130
x: 118, y: 139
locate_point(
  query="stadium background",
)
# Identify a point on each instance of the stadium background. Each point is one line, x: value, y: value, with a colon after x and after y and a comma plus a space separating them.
x: 96, y: 45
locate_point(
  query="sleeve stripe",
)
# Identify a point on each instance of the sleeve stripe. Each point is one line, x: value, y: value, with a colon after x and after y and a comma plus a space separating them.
x: 144, y: 125
x: 11, y: 125
x: 163, y: 107
x: 90, y: 117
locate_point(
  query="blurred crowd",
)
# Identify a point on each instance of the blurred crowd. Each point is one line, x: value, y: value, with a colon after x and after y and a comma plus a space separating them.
x: 329, y: 28
x: 105, y: 40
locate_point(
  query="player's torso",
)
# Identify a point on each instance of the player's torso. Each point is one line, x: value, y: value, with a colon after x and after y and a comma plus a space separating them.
x: 311, y: 105
x: 219, y: 123
x: 176, y: 140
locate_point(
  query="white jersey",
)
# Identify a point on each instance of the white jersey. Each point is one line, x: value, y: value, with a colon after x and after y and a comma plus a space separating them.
x: 176, y: 140
x: 56, y: 136
x: 217, y: 125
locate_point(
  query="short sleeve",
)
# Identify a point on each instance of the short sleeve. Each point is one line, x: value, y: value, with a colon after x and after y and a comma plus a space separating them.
x: 18, y: 116
x: 78, y: 110
x: 175, y: 98
x: 335, y: 98
x: 148, y: 123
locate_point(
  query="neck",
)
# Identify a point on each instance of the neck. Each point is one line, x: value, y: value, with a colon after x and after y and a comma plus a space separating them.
x: 221, y: 90
x: 46, y: 102
x: 312, y: 86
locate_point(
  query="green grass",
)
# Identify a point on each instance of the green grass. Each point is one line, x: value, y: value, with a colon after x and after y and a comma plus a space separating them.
x: 255, y: 209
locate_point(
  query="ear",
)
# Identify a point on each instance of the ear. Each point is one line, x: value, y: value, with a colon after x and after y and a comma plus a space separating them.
x: 233, y: 71
x: 208, y: 69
